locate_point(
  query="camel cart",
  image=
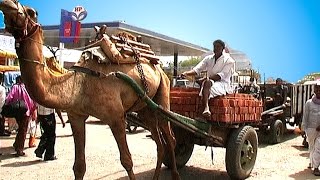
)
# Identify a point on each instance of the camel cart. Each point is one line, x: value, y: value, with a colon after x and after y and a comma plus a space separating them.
x: 229, y: 126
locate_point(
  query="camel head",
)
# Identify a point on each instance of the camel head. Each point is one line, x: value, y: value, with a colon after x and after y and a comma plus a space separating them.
x: 19, y: 20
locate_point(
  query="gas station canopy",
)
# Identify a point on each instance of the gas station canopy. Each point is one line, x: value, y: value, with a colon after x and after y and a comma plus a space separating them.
x: 161, y: 44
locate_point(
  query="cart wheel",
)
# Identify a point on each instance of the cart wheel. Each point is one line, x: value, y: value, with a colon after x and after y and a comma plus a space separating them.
x: 276, y: 131
x: 241, y: 152
x: 183, y: 152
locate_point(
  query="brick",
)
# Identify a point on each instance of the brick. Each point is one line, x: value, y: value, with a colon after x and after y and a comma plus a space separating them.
x: 233, y: 102
x: 251, y: 110
x: 198, y: 100
x: 224, y: 118
x: 222, y: 110
x: 243, y: 110
x: 174, y: 107
x: 193, y: 100
x: 240, y: 102
x: 223, y: 102
x: 187, y: 107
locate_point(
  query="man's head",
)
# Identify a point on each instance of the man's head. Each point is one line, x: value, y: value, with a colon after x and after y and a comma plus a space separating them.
x: 218, y: 46
x: 18, y: 79
x: 278, y: 81
x: 317, y: 90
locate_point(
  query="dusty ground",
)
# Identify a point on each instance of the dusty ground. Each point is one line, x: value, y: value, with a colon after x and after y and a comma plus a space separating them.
x: 287, y: 160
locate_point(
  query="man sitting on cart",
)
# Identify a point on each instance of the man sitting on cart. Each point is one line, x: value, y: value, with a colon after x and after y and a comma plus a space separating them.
x: 219, y: 67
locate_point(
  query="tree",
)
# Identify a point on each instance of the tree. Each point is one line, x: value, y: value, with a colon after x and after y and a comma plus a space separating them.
x: 190, y: 62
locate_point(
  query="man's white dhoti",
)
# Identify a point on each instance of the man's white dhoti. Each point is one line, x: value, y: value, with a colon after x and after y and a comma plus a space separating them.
x: 312, y: 136
x: 218, y: 88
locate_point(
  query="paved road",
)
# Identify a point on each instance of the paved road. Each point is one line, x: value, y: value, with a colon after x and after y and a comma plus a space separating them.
x: 287, y: 160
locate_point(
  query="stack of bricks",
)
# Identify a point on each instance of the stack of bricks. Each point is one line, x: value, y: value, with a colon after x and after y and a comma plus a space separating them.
x: 232, y: 108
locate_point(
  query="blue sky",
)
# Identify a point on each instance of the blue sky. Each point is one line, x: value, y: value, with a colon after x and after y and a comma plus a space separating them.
x: 281, y: 37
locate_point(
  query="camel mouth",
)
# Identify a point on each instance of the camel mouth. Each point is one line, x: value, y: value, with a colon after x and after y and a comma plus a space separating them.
x: 8, y: 5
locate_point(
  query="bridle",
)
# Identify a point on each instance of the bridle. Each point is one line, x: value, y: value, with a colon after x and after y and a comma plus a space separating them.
x: 34, y: 25
x: 27, y: 34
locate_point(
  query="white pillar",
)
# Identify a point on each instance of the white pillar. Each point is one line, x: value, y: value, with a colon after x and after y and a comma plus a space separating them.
x: 61, y: 61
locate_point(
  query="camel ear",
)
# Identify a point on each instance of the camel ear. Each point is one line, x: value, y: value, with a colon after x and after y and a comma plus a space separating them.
x: 32, y: 13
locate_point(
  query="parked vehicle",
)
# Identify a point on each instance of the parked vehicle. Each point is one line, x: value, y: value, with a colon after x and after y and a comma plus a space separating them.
x: 275, y: 119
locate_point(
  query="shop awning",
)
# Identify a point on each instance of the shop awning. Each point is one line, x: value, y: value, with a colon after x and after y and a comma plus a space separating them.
x: 7, y: 54
x: 4, y: 68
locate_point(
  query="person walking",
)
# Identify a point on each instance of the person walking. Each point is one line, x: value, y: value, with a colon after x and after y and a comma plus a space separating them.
x: 311, y: 127
x: 19, y: 92
x: 219, y: 67
x: 3, y: 132
x: 47, y: 120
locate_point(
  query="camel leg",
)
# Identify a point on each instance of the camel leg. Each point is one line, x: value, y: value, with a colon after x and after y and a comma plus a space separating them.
x: 170, y: 144
x: 119, y: 133
x: 160, y: 149
x: 78, y: 129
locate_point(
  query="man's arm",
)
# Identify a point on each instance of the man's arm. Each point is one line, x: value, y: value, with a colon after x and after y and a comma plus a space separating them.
x: 58, y: 111
x: 188, y: 73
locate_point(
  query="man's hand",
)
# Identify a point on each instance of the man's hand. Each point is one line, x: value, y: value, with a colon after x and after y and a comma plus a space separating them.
x: 183, y: 75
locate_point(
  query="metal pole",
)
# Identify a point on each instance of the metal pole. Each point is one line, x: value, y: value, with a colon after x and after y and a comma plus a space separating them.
x: 175, y: 68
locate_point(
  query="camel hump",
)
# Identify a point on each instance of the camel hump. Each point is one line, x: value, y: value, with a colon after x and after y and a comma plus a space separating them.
x: 122, y: 48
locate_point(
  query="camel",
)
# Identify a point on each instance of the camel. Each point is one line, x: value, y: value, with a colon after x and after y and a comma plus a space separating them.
x: 83, y: 95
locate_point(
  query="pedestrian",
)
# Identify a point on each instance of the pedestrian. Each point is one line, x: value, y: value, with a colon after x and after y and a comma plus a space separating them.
x: 311, y: 127
x: 219, y: 67
x: 47, y: 120
x: 19, y: 92
x: 3, y: 132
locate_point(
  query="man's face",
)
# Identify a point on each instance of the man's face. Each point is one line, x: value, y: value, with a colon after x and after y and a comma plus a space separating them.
x: 217, y: 48
x: 279, y: 82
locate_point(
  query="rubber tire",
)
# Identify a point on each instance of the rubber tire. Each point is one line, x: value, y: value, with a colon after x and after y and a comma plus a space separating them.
x: 276, y: 131
x: 183, y: 149
x: 238, y: 140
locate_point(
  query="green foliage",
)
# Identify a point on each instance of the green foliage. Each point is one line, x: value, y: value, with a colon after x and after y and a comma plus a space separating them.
x: 190, y: 62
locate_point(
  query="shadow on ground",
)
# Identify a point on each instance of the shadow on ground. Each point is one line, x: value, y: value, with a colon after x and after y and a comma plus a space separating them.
x: 23, y: 163
x: 265, y: 136
x: 303, y: 175
x: 186, y: 173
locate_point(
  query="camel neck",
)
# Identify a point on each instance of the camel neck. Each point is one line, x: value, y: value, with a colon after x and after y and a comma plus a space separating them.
x: 44, y: 87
